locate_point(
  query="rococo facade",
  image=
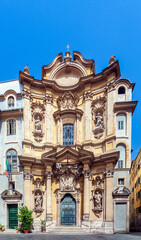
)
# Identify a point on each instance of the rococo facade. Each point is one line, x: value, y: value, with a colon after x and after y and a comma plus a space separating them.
x: 75, y: 153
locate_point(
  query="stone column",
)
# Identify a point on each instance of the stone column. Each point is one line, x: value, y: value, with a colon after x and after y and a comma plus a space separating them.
x: 78, y: 209
x: 27, y: 113
x: 86, y: 196
x: 49, y: 196
x: 58, y: 130
x: 87, y: 115
x: 49, y: 118
x: 108, y: 195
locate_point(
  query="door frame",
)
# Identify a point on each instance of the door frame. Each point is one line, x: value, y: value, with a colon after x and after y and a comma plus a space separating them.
x: 124, y: 201
x: 6, y: 203
x: 59, y: 196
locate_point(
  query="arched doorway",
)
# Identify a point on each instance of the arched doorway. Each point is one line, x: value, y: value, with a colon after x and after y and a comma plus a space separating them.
x: 68, y: 210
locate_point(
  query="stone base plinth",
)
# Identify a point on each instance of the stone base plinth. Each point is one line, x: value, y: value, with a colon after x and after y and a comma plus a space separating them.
x: 37, y: 225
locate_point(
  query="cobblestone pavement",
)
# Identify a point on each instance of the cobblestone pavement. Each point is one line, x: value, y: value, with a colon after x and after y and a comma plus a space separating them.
x: 45, y: 236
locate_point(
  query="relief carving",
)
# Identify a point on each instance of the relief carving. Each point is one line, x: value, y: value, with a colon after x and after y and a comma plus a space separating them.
x: 27, y: 94
x: 67, y: 176
x: 67, y: 182
x: 87, y: 95
x: 38, y: 197
x: 97, y: 196
x: 98, y: 108
x: 48, y: 99
x: 67, y: 101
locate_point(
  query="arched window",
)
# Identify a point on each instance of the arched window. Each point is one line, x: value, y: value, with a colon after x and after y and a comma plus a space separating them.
x: 122, y: 156
x: 11, y: 127
x: 10, y: 102
x: 68, y: 135
x: 11, y: 158
x: 121, y: 90
x: 121, y: 94
x: 121, y: 124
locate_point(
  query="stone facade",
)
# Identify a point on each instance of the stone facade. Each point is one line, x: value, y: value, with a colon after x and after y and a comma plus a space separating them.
x: 77, y: 144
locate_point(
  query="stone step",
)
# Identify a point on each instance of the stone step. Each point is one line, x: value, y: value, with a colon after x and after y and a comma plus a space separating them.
x: 72, y: 230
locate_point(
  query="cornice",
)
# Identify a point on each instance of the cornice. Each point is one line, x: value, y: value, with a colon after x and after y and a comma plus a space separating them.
x: 126, y: 106
x: 49, y: 67
x: 77, y: 56
x: 77, y: 112
x: 80, y: 155
x: 105, y: 158
x: 13, y: 113
x: 89, y: 79
x: 44, y: 146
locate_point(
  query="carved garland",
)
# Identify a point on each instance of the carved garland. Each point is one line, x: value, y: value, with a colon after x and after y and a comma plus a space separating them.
x: 98, y: 108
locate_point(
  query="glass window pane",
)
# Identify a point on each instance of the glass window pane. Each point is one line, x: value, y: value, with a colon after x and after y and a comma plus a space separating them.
x: 68, y: 138
x: 10, y: 102
x: 11, y: 157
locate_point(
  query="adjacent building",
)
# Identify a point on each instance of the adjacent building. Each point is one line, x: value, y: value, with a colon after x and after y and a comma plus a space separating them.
x: 135, y: 197
x: 11, y: 137
x: 73, y: 146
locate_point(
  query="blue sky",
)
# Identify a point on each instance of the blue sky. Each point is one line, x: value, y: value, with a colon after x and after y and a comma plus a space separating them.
x: 33, y: 32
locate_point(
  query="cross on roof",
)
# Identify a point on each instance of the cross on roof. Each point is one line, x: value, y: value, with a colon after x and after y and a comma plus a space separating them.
x: 68, y: 47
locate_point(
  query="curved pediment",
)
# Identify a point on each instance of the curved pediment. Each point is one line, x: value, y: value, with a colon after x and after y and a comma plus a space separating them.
x: 67, y: 74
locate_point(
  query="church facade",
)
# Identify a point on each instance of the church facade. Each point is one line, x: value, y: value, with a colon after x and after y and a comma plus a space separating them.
x: 76, y: 148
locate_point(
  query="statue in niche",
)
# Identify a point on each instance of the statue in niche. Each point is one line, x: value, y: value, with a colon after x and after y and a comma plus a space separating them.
x: 38, y: 201
x: 98, y: 200
x: 99, y: 125
x: 99, y: 121
x: 38, y: 125
x: 97, y: 196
